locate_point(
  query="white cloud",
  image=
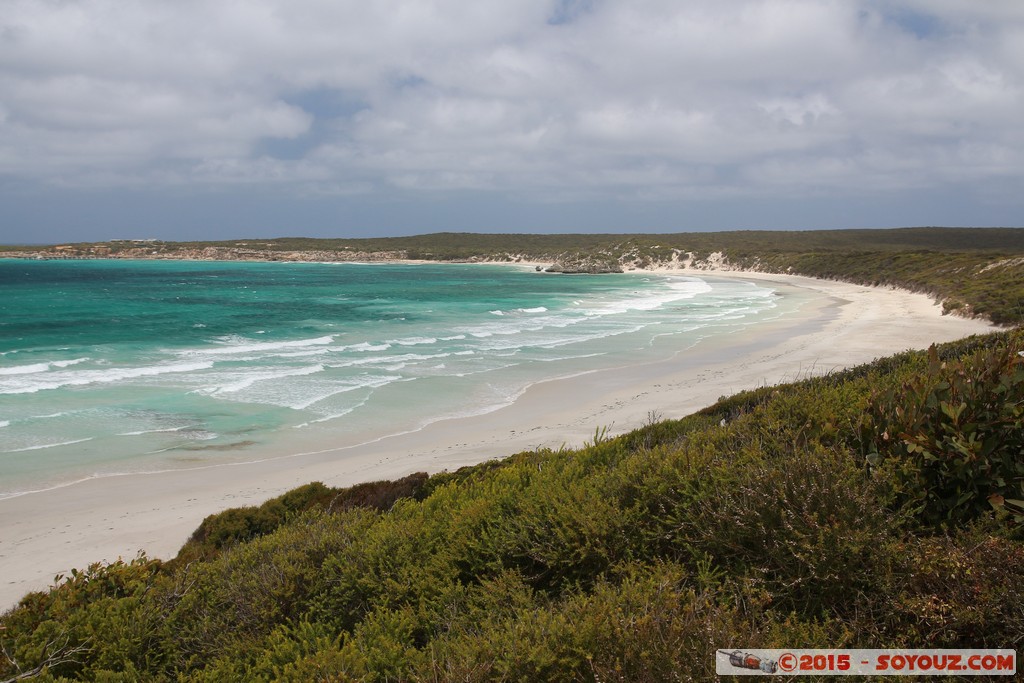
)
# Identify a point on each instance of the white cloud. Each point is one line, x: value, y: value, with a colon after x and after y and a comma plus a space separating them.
x: 647, y: 98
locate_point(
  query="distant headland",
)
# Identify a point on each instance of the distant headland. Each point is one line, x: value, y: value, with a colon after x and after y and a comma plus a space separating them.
x: 970, y: 271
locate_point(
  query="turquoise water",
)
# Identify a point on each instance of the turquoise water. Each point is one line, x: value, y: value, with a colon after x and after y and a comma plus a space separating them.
x: 123, y: 366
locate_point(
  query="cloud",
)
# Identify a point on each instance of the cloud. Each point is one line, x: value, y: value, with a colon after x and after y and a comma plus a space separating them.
x: 539, y: 98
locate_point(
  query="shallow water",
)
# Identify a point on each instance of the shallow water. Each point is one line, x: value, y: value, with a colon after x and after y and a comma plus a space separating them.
x: 127, y: 366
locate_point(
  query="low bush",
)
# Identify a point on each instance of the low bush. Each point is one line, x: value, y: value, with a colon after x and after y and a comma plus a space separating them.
x: 950, y: 442
x: 756, y: 523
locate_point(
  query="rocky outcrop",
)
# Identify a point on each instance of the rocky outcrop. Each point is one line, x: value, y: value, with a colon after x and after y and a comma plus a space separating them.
x: 584, y: 266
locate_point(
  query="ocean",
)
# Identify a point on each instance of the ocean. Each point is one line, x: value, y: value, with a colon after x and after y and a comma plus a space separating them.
x: 109, y: 367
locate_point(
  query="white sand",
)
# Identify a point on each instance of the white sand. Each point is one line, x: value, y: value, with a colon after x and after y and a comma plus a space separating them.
x: 49, y: 532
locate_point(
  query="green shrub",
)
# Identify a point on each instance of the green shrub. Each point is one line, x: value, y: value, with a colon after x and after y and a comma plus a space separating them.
x: 238, y: 598
x: 965, y: 589
x: 633, y: 558
x: 228, y: 528
x: 950, y: 443
x: 90, y: 621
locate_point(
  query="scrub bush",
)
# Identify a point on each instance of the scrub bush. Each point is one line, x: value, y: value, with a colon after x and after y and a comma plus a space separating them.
x: 950, y: 443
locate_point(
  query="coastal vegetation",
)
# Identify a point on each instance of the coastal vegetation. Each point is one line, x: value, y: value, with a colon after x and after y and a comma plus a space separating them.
x: 878, y: 506
x: 972, y: 271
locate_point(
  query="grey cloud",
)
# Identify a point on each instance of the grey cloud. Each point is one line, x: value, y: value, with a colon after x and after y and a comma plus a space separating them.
x: 540, y: 98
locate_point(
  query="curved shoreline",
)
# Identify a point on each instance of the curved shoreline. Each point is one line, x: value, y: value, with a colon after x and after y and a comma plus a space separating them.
x: 105, y: 518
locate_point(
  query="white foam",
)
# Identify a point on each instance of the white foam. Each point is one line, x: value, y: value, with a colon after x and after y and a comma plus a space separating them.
x: 561, y: 358
x: 678, y: 290
x: 250, y: 378
x: 327, y: 418
x: 68, y: 363
x: 25, y: 369
x: 413, y: 341
x: 235, y: 345
x: 57, y: 380
x: 199, y: 435
x: 364, y: 346
x: 389, y: 360
x: 362, y: 382
x: 48, y: 445
x: 35, y: 368
x: 5, y: 423
x: 152, y: 431
x: 536, y: 309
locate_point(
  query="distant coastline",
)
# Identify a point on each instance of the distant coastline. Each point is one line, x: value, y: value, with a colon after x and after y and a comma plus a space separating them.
x: 971, y: 272
x: 572, y: 265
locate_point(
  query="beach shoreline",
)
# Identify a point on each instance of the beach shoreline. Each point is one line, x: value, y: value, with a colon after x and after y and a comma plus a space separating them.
x: 102, y: 519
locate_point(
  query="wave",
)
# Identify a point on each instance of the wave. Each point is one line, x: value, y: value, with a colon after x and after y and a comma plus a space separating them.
x: 67, y: 363
x: 361, y: 347
x: 364, y: 346
x: 152, y: 431
x: 59, y: 380
x: 52, y: 415
x: 552, y: 342
x: 536, y: 309
x: 413, y: 341
x: 252, y: 378
x: 48, y: 445
x: 233, y: 345
x: 35, y: 368
x: 194, y: 434
x: 328, y: 418
x: 403, y: 358
x: 5, y: 423
x: 364, y: 382
x: 677, y: 290
x: 561, y: 358
x: 25, y: 369
x: 588, y: 311
x: 333, y: 416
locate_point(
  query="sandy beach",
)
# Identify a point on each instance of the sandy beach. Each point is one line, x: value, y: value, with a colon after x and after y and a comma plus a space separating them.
x: 102, y: 519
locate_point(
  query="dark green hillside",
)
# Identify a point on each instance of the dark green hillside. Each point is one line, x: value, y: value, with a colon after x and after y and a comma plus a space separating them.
x: 446, y: 245
x: 454, y: 245
x: 882, y: 506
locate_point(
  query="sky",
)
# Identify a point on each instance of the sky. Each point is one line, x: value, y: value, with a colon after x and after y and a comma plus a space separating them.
x: 240, y: 118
